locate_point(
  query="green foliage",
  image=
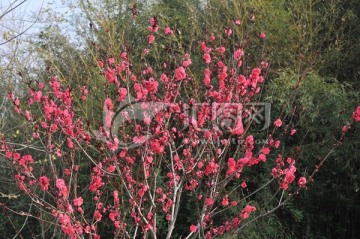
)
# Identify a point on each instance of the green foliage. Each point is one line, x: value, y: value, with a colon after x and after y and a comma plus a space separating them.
x: 341, y: 59
x: 321, y: 105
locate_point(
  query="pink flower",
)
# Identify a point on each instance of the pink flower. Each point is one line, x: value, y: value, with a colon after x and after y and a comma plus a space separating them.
x: 66, y: 226
x: 100, y: 63
x: 345, y: 128
x: 122, y: 154
x: 237, y: 21
x: 44, y: 125
x: 289, y: 177
x: 151, y: 39
x: 148, y: 70
x: 67, y: 172
x: 231, y: 166
x: 220, y: 64
x: 356, y: 114
x: 293, y: 131
x: 9, y: 154
x: 63, y: 190
x: 108, y: 105
x: 28, y: 115
x: 122, y: 92
x: 278, y: 123
x: 209, y: 202
x: 96, y: 183
x: 70, y: 143
x: 225, y: 201
x: 153, y: 21
x: 117, y: 224
x: 264, y: 64
x: 207, y: 77
x: 97, y: 215
x: 262, y: 35
x: 10, y: 96
x: 124, y: 55
x: 228, y: 32
x: 32, y: 182
x: 277, y: 144
x: 193, y: 228
x: 110, y: 75
x: 238, y: 54
x: 111, y: 60
x: 207, y: 58
x: 243, y: 185
x: 53, y: 128
x: 211, y: 168
x: 78, y: 201
x: 265, y: 150
x: 139, y: 139
x: 239, y: 127
x: 154, y: 26
x: 180, y: 73
x: 130, y: 160
x: 44, y: 183
x: 249, y: 141
x: 168, y: 31
x: 249, y: 208
x: 141, y: 192
x: 37, y: 96
x: 246, y: 211
x: 203, y: 46
x: 17, y: 102
x: 41, y: 85
x: 113, y: 216
x: 111, y: 168
x: 156, y: 146
x: 16, y: 156
x: 84, y: 92
x: 302, y: 182
x: 26, y: 159
x: 221, y: 49
x: 151, y: 85
x: 187, y: 62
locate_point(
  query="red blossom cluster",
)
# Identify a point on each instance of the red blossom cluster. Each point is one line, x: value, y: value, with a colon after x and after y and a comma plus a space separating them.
x: 356, y: 114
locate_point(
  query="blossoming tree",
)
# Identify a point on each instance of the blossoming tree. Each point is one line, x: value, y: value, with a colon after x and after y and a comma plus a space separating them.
x: 168, y: 137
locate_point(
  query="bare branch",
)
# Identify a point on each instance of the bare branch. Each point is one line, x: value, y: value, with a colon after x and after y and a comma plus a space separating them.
x: 11, y: 9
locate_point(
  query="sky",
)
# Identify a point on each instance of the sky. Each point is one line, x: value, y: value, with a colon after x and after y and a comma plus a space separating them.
x: 19, y: 25
x: 23, y: 18
x: 20, y: 18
